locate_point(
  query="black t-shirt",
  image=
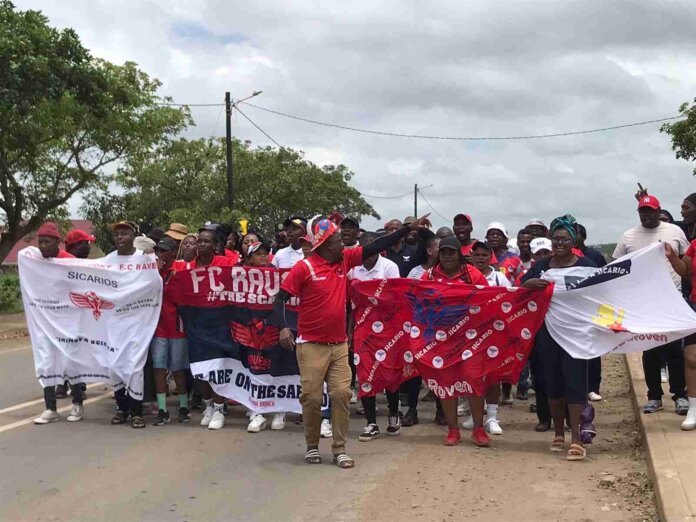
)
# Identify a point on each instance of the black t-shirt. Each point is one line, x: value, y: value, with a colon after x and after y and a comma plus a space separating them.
x: 542, y: 266
x: 595, y: 255
x: 405, y: 259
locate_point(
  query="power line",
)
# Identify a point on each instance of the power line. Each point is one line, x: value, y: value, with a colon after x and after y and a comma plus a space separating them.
x: 387, y: 197
x: 462, y: 138
x: 259, y: 128
x: 172, y: 104
x: 433, y: 208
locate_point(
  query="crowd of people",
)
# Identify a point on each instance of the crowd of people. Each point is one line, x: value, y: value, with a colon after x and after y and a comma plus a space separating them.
x: 325, y: 251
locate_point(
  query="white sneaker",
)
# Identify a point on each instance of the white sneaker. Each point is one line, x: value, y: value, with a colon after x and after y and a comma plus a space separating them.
x: 468, y: 423
x: 493, y: 427
x: 353, y: 397
x: 463, y: 408
x: 46, y: 417
x: 77, y: 413
x: 690, y: 421
x: 257, y: 423
x: 278, y: 422
x: 326, y: 430
x: 594, y: 397
x: 218, y: 421
x: 207, y: 415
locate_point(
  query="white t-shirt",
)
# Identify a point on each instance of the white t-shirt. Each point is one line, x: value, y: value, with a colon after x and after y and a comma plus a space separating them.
x: 416, y: 272
x: 496, y: 278
x: 383, y: 269
x: 114, y: 256
x: 640, y: 237
x: 287, y: 257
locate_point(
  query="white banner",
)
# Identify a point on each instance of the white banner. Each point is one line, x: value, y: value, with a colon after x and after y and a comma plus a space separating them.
x: 90, y: 320
x: 630, y: 305
x: 261, y: 393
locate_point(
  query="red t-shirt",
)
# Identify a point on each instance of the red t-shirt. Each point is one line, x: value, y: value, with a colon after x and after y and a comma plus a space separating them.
x: 233, y: 254
x: 180, y: 264
x: 691, y: 253
x: 475, y: 276
x: 168, y: 326
x: 321, y: 288
x: 62, y: 254
x: 511, y: 268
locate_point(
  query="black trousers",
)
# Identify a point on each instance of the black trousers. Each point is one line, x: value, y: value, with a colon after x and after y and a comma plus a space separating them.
x: 594, y: 367
x: 78, y: 395
x: 412, y: 389
x: 539, y: 385
x: 674, y: 354
x: 370, y: 406
x: 126, y: 403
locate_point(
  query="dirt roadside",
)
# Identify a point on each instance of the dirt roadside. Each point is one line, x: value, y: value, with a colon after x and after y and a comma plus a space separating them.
x: 518, y: 478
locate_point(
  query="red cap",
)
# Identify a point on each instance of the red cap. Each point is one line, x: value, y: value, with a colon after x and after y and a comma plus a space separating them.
x: 465, y: 216
x: 650, y: 202
x: 75, y: 236
x: 50, y: 230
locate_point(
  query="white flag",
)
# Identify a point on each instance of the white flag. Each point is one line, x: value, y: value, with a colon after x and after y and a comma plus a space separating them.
x: 90, y: 320
x: 630, y: 305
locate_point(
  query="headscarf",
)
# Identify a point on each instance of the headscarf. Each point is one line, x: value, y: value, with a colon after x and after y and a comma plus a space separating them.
x: 691, y: 198
x: 566, y: 222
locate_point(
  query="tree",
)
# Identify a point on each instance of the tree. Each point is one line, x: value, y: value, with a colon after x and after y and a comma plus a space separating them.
x: 184, y: 181
x: 66, y: 120
x: 683, y: 133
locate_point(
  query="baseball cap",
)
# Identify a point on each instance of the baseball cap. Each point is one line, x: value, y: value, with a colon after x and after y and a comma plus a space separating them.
x: 76, y: 235
x: 450, y: 242
x: 351, y: 219
x: 211, y: 227
x: 296, y: 221
x: 537, y: 222
x: 481, y: 244
x: 540, y: 243
x: 167, y: 244
x: 143, y: 243
x: 463, y: 216
x: 255, y: 247
x: 320, y: 229
x: 649, y: 202
x: 177, y: 231
x: 497, y: 225
x: 49, y: 230
x: 410, y: 219
x: 124, y: 224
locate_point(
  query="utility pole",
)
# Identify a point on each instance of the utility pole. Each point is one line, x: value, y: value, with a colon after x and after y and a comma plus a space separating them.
x: 415, y: 200
x: 230, y: 186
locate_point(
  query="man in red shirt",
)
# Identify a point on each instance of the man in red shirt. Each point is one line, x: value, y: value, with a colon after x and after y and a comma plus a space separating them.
x: 462, y: 228
x: 168, y: 348
x: 49, y: 244
x: 322, y: 349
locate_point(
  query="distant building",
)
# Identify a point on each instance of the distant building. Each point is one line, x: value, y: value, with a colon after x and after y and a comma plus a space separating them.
x: 30, y: 240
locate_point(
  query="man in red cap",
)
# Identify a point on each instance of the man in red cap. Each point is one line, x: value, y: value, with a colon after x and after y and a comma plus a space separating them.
x: 652, y: 230
x: 77, y: 243
x: 49, y: 238
x: 322, y: 349
x: 462, y: 228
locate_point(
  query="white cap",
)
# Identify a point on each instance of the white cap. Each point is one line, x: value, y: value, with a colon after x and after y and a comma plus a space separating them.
x: 537, y: 222
x: 540, y: 243
x: 497, y: 225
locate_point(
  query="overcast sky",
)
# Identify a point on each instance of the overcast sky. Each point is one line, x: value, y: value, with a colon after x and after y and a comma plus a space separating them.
x: 475, y: 68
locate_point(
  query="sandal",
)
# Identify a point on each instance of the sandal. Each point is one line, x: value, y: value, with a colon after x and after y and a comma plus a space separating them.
x: 558, y: 444
x: 137, y: 422
x: 343, y: 461
x: 312, y: 456
x: 119, y: 418
x: 576, y: 452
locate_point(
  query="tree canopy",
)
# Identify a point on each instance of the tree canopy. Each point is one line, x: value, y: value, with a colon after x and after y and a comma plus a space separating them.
x: 683, y: 133
x: 184, y: 181
x: 66, y: 120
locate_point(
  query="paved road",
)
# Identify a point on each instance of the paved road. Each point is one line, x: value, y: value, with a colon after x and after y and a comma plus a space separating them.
x: 94, y: 471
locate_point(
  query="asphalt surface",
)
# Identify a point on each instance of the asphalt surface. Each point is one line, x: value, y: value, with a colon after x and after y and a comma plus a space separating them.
x: 91, y: 470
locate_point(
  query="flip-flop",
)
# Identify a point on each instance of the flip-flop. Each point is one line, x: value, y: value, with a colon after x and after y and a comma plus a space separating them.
x: 558, y: 444
x: 312, y: 456
x: 343, y: 461
x: 576, y: 452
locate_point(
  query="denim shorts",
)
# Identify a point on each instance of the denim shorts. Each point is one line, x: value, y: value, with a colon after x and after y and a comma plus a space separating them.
x: 169, y: 354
